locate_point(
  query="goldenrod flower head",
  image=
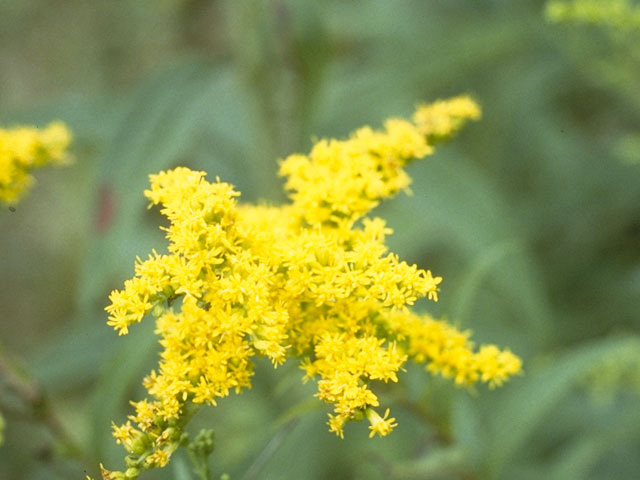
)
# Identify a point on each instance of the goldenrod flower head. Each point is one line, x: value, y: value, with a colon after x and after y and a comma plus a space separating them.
x: 311, y: 279
x: 22, y: 149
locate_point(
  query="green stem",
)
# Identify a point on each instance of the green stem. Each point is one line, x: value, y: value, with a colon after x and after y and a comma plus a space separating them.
x: 441, y: 429
x: 269, y: 450
x: 200, y: 462
x: 38, y: 408
x: 201, y: 466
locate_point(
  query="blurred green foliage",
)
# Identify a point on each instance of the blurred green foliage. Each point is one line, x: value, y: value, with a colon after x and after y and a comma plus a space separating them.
x: 532, y: 216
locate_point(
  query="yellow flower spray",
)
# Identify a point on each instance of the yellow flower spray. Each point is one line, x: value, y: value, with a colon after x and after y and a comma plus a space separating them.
x: 24, y: 148
x: 311, y: 279
x: 619, y: 15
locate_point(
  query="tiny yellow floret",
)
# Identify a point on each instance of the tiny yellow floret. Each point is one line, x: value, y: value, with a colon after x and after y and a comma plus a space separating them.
x: 380, y: 425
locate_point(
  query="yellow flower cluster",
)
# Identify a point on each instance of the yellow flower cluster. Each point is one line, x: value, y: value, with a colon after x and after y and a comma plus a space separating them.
x: 441, y: 119
x: 619, y: 15
x: 311, y: 279
x: 22, y: 149
x: 448, y: 351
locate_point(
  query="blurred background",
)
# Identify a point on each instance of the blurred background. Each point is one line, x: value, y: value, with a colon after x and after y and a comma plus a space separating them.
x: 531, y: 216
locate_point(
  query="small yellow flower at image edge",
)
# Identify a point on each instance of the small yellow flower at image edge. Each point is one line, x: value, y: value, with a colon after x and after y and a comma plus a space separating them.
x: 24, y: 148
x: 311, y: 279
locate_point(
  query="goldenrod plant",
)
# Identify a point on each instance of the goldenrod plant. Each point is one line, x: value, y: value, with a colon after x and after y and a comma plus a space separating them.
x: 310, y: 280
x: 24, y: 148
x: 530, y: 217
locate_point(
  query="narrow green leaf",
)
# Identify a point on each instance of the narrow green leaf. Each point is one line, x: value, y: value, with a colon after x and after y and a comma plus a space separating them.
x: 123, y: 372
x: 518, y: 414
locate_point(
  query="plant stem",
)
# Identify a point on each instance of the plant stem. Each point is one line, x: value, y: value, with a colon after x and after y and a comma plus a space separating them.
x: 269, y: 450
x: 441, y: 430
x: 37, y: 406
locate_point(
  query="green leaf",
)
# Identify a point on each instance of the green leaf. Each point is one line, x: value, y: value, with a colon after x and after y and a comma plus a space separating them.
x: 181, y: 468
x: 455, y: 207
x: 72, y: 358
x: 519, y: 413
x: 125, y: 369
x: 438, y: 463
